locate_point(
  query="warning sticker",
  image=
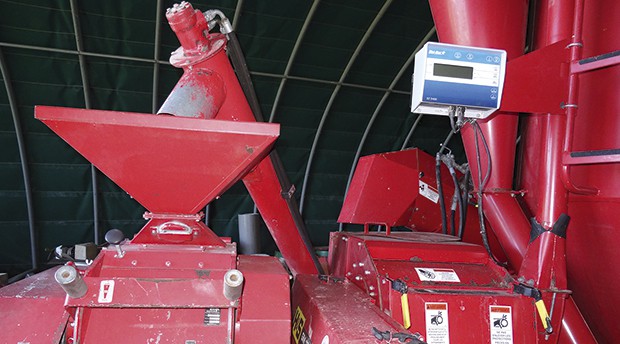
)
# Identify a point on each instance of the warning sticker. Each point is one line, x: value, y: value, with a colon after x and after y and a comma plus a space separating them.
x: 106, y: 291
x: 500, y: 318
x: 297, y: 327
x: 436, y: 317
x: 437, y: 275
x: 428, y: 192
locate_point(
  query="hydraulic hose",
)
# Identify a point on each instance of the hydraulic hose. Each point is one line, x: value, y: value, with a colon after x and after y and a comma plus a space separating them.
x: 442, y: 203
x: 459, y: 199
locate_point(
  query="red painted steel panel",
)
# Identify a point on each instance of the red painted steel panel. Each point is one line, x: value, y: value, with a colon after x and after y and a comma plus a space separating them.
x: 31, y: 310
x: 168, y: 164
x: 265, y: 316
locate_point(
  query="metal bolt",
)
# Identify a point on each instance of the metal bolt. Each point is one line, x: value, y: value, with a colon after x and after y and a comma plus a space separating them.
x: 372, y: 293
x: 521, y: 279
x: 367, y: 272
x: 358, y: 278
x: 354, y: 265
x: 361, y: 264
x: 359, y: 244
x: 372, y: 287
x: 344, y: 239
x: 201, y: 264
x: 134, y: 262
x: 168, y: 263
x: 349, y: 273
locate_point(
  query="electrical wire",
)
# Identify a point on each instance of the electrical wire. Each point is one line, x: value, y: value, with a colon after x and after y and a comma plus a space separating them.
x: 481, y: 183
x: 442, y: 203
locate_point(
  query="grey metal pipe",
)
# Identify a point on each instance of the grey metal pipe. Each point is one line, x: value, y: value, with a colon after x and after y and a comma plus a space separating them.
x: 249, y: 233
x: 410, y: 133
x: 85, y: 87
x: 291, y: 58
x: 156, y: 51
x: 23, y: 159
x: 162, y: 62
x: 235, y: 20
x: 345, y: 72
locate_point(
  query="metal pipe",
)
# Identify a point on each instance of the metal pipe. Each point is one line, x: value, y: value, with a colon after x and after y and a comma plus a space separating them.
x: 86, y: 90
x: 156, y: 51
x: 575, y: 47
x: 23, y: 159
x: 162, y: 62
x: 399, y: 75
x: 291, y: 58
x: 343, y: 76
x: 410, y: 133
x: 235, y: 20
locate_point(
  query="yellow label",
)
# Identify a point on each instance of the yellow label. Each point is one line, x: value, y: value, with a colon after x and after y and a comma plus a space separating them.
x: 299, y: 320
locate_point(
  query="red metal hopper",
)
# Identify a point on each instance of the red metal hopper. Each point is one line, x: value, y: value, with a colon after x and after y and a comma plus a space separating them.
x: 170, y: 165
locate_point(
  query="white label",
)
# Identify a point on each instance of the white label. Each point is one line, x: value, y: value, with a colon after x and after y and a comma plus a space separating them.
x: 500, y: 318
x: 436, y: 316
x: 428, y: 192
x: 106, y: 291
x: 437, y: 275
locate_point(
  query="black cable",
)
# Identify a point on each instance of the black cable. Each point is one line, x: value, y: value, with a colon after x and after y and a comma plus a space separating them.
x: 482, y: 182
x: 459, y: 200
x: 465, y: 197
x: 442, y: 203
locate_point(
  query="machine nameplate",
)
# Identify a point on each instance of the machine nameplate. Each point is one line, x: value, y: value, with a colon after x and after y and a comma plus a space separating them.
x: 428, y: 192
x: 437, y: 275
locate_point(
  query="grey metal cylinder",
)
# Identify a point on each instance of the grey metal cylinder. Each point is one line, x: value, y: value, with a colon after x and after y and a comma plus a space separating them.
x: 249, y: 233
x: 70, y: 280
x: 233, y: 284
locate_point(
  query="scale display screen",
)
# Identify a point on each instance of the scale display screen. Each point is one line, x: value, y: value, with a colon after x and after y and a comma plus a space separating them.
x: 453, y: 75
x: 452, y: 71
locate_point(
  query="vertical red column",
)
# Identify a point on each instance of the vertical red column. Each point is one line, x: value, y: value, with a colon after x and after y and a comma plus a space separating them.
x: 501, y: 25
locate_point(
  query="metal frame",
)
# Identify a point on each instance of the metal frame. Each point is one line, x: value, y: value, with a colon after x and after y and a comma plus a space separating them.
x: 23, y: 159
x: 161, y: 62
x: 291, y: 58
x: 344, y: 75
x: 396, y: 79
x: 235, y: 20
x: 85, y: 87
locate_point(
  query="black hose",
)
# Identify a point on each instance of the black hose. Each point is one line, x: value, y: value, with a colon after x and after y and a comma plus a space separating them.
x: 482, y: 182
x: 442, y: 203
x: 459, y: 199
x: 464, y: 197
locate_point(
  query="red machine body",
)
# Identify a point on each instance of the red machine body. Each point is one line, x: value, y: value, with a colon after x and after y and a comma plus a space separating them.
x: 553, y: 223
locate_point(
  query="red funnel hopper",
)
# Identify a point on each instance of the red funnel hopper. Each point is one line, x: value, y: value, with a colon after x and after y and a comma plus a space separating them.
x: 171, y: 165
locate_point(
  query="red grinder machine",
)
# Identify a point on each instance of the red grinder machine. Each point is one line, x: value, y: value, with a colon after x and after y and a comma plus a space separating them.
x: 485, y: 260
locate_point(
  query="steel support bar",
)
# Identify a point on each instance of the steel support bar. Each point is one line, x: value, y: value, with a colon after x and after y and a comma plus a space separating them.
x: 19, y: 134
x: 235, y: 19
x: 86, y: 89
x: 154, y: 105
x: 162, y: 62
x: 332, y: 98
x: 291, y: 58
